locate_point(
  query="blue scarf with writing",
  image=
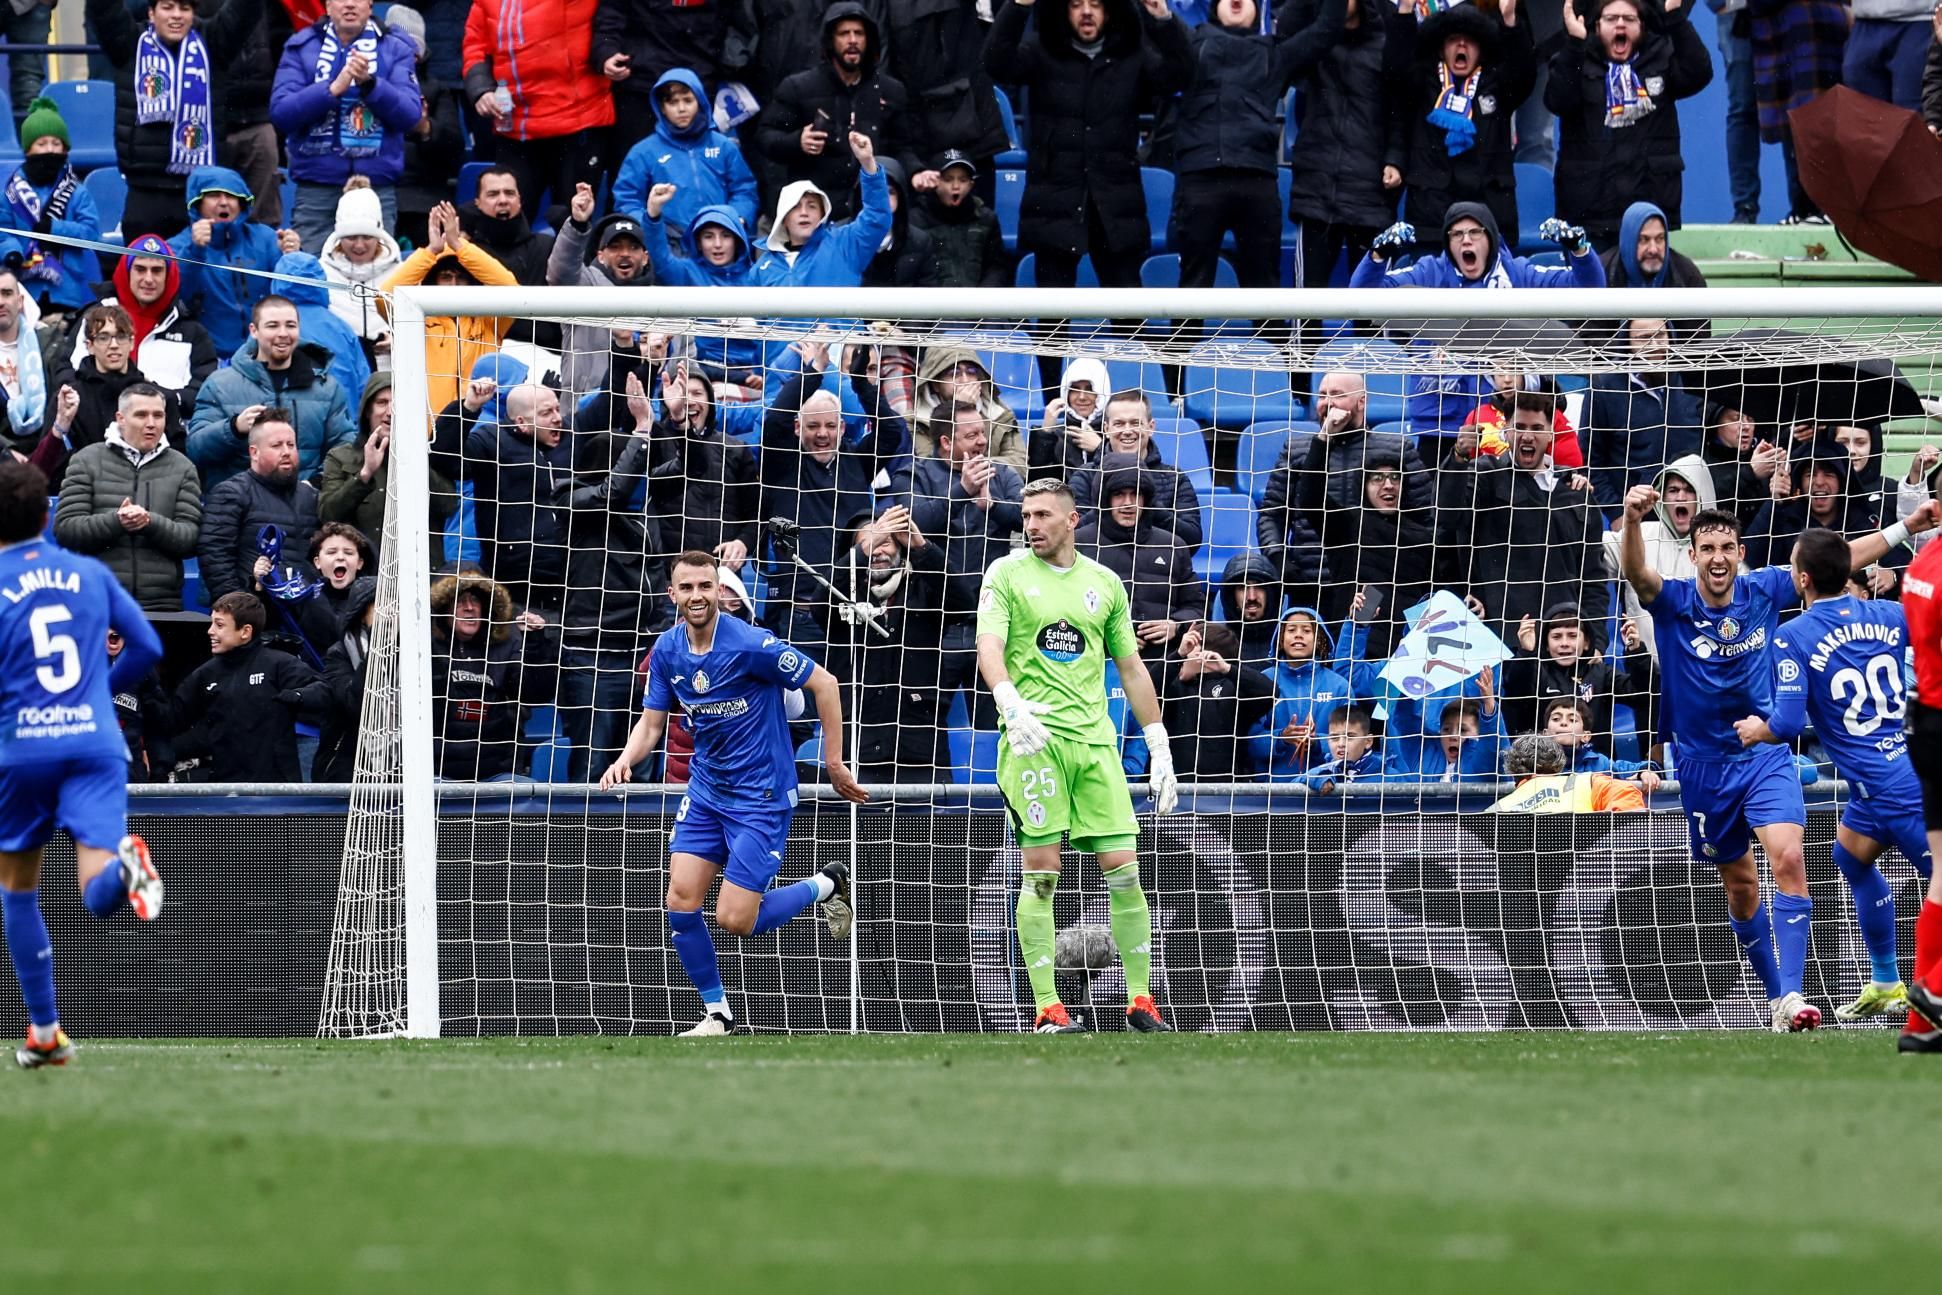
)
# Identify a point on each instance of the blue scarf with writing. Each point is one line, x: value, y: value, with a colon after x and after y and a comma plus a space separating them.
x: 173, y: 86
x: 351, y: 129
x: 36, y: 265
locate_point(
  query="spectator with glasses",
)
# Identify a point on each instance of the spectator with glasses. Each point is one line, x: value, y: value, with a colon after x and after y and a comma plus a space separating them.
x: 87, y: 394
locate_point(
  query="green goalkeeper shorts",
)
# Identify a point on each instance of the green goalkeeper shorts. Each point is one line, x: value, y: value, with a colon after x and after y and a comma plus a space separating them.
x: 1070, y: 787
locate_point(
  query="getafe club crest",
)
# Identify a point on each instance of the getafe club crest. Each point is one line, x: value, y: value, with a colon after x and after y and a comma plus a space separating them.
x: 1092, y: 600
x: 1729, y: 629
x: 701, y: 681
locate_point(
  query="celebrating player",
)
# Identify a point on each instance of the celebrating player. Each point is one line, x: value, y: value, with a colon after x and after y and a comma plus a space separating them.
x: 1839, y: 664
x: 1923, y: 609
x: 62, y: 757
x: 1714, y: 634
x: 730, y: 677
x: 1047, y: 621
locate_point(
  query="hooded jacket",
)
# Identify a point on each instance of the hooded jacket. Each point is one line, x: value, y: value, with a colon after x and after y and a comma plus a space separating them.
x: 142, y: 151
x: 318, y: 323
x: 1601, y: 167
x: 967, y: 245
x: 453, y: 346
x: 148, y: 562
x: 171, y: 350
x: 1228, y: 112
x: 907, y: 259
x: 234, y: 515
x: 1738, y: 490
x: 1306, y: 692
x: 347, y: 497
x: 300, y: 99
x: 584, y: 347
x: 1350, y: 124
x: 1770, y: 536
x: 1258, y: 639
x: 876, y: 105
x: 1484, y: 173
x: 926, y: 406
x: 1621, y: 261
x: 693, y: 270
x: 836, y: 254
x: 316, y: 401
x: 1084, y: 148
x: 1175, y: 504
x: 1363, y: 545
x: 211, y: 291
x: 1053, y: 450
x: 705, y: 166
x: 76, y: 266
x: 543, y: 51
x: 1666, y: 549
x: 937, y: 51
x: 702, y: 489
x: 479, y: 684
x: 360, y: 311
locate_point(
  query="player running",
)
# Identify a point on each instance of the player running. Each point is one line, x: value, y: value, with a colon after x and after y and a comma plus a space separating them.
x: 62, y: 758
x: 1839, y: 665
x: 1713, y: 641
x: 730, y: 677
x: 1047, y: 621
x: 1923, y: 608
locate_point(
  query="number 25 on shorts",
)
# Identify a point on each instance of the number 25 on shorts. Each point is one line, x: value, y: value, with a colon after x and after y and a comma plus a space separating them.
x: 1038, y: 784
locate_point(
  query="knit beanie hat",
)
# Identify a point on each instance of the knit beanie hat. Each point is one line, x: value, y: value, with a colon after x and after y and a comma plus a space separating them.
x: 43, y: 118
x: 360, y: 212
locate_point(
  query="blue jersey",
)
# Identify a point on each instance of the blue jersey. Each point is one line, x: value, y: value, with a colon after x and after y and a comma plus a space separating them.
x: 733, y: 694
x: 1839, y: 665
x: 57, y: 687
x: 1714, y: 661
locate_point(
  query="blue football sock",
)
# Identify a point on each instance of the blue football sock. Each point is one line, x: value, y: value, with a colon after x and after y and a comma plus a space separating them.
x: 105, y: 895
x: 33, y: 954
x: 696, y: 949
x: 1874, y: 910
x: 1756, y: 942
x: 778, y: 906
x: 1793, y: 919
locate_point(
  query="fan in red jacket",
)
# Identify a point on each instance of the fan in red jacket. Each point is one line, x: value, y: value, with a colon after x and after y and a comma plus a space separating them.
x: 552, y: 135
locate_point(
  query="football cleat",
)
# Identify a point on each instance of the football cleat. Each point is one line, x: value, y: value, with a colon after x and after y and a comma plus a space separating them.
x: 1793, y: 1014
x: 1055, y: 1020
x: 712, y: 1026
x: 838, y: 911
x: 1925, y: 1001
x: 32, y: 1056
x: 1875, y: 1000
x: 1919, y: 1041
x: 144, y: 883
x: 1144, y: 1016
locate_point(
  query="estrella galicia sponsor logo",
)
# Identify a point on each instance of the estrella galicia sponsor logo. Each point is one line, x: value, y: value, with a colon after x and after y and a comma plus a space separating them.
x: 1061, y: 642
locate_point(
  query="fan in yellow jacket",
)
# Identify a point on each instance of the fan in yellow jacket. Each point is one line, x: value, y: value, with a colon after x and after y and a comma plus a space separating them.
x: 449, y: 258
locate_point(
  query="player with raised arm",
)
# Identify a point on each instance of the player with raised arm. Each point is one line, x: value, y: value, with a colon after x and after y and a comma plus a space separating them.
x: 730, y: 677
x: 1047, y: 620
x: 1922, y: 605
x: 1715, y: 631
x: 63, y: 760
x: 1838, y: 665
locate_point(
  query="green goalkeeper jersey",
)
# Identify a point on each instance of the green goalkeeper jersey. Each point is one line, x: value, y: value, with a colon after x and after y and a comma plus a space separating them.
x: 1059, y: 627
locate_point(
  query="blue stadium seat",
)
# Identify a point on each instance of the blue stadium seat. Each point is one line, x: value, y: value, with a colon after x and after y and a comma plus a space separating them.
x: 1227, y: 521
x: 194, y: 597
x: 974, y: 755
x: 1260, y: 450
x: 1536, y: 203
x: 1396, y: 428
x: 1290, y: 128
x: 1181, y: 444
x: 468, y: 189
x: 1009, y: 187
x: 88, y: 108
x: 1027, y: 275
x: 1159, y: 202
x: 110, y: 193
x: 1284, y: 183
x: 1547, y: 260
x: 287, y: 190
x: 1163, y: 271
x: 811, y: 752
x: 1014, y: 155
x: 1233, y: 395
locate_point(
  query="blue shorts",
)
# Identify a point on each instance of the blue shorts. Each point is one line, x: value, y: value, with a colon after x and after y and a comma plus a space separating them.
x: 747, y: 844
x: 1896, y: 823
x: 1725, y: 800
x: 88, y: 796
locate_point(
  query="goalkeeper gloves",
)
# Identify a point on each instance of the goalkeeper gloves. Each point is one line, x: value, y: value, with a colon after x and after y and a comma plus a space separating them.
x: 1569, y: 237
x: 1398, y: 238
x: 1159, y: 765
x: 1022, y: 728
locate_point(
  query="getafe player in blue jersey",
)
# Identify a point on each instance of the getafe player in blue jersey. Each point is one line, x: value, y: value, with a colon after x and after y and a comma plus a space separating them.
x: 62, y: 757
x: 1714, y: 640
x: 730, y: 677
x: 1839, y: 664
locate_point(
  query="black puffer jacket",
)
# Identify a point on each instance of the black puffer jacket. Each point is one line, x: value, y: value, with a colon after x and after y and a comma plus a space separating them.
x: 613, y: 570
x: 966, y: 242
x: 1084, y: 146
x: 344, y: 666
x: 973, y: 537
x: 1350, y: 126
x: 1156, y: 568
x: 1365, y: 545
x: 142, y: 152
x: 234, y: 515
x: 1435, y: 177
x: 937, y: 51
x: 246, y: 97
x: 1601, y: 169
x: 516, y: 483
x: 1518, y: 547
x: 877, y: 105
x: 1175, y: 505
x: 1227, y: 113
x: 911, y: 259
x: 789, y: 32
x: 1259, y: 639
x: 702, y: 489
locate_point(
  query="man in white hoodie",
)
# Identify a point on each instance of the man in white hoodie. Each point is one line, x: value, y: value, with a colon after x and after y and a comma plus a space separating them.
x: 360, y: 252
x: 1685, y: 489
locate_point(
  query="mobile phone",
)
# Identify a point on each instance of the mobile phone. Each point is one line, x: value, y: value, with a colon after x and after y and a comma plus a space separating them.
x: 822, y: 120
x: 1371, y: 605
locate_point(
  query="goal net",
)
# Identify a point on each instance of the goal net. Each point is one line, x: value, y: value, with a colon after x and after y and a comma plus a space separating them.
x: 1368, y: 542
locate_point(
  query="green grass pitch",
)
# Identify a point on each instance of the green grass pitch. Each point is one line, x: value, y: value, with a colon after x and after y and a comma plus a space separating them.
x: 1416, y: 1163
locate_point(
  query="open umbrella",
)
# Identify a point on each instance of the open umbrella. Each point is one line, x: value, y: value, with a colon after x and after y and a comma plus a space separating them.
x: 1865, y: 390
x: 1877, y: 173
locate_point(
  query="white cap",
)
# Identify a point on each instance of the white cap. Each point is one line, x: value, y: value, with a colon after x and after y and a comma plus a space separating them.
x: 360, y: 212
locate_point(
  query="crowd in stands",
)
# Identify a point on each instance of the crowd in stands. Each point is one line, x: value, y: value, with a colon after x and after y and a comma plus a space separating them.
x: 213, y: 408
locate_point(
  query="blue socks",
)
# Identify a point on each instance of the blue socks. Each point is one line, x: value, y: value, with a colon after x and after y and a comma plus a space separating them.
x: 696, y: 949
x: 1874, y: 909
x: 1756, y: 942
x: 105, y: 895
x: 783, y: 903
x: 33, y: 954
x: 1793, y: 915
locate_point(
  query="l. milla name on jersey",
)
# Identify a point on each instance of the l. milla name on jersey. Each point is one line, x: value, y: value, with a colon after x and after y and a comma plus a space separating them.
x: 39, y: 578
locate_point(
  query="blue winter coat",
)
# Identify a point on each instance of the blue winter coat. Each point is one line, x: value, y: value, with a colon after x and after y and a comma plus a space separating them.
x: 692, y: 271
x: 705, y: 166
x: 1305, y: 692
x: 78, y: 268
x: 836, y: 254
x: 320, y: 407
x: 223, y: 301
x: 317, y: 323
x: 1632, y: 430
x: 299, y: 100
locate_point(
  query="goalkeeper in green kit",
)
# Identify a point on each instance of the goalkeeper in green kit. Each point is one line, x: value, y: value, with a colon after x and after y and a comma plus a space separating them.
x: 1047, y: 621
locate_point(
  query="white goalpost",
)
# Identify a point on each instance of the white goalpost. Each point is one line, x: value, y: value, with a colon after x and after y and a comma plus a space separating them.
x: 487, y: 887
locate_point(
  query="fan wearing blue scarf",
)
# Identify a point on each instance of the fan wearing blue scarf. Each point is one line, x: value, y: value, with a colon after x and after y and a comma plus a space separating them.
x: 44, y: 196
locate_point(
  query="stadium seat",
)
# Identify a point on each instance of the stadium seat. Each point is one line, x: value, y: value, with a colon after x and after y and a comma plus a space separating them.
x: 88, y: 108
x: 287, y: 190
x: 1388, y: 392
x: 1163, y: 271
x: 1010, y: 189
x: 468, y: 188
x: 1260, y: 450
x: 1290, y: 128
x: 110, y: 193
x: 974, y: 755
x: 1227, y: 523
x: 1027, y: 276
x: 1014, y: 155
x: 1536, y: 203
x: 1234, y: 395
x: 1159, y: 202
x: 194, y: 597
x: 1397, y: 428
x: 1181, y: 444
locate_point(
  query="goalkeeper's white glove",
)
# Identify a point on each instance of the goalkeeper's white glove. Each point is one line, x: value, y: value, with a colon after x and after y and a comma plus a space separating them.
x: 1022, y: 729
x: 1159, y: 766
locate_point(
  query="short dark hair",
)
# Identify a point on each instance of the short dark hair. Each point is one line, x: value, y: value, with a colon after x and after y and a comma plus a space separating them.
x: 1537, y: 402
x: 1713, y: 519
x: 244, y: 609
x: 1356, y: 717
x: 1457, y: 711
x: 1130, y: 396
x: 23, y: 502
x: 506, y: 171
x: 106, y: 312
x: 1826, y: 558
x: 1218, y: 637
x: 693, y: 558
x: 343, y: 531
x: 1552, y: 705
x: 274, y: 299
